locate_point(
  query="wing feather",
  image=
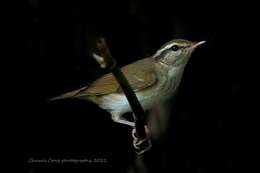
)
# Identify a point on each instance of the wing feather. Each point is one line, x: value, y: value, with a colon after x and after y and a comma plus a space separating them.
x: 140, y: 75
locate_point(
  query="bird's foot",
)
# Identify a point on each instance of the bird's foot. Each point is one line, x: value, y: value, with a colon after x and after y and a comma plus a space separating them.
x: 142, y: 145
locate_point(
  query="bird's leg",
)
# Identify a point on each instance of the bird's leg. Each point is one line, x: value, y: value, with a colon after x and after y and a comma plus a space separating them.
x: 117, y: 117
x: 142, y: 145
x: 145, y: 127
x: 146, y: 130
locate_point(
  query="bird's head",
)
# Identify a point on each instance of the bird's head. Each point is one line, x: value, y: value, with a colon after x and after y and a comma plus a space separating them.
x: 176, y: 52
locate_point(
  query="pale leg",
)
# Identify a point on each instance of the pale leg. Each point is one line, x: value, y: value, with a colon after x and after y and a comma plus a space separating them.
x: 117, y: 117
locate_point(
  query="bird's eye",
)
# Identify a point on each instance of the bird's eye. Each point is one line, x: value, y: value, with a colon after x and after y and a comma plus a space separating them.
x: 175, y: 48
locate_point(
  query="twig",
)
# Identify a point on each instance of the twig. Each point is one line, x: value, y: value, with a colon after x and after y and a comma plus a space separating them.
x: 106, y: 61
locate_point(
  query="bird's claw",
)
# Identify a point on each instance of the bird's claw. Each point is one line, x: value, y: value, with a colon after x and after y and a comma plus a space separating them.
x: 141, y: 145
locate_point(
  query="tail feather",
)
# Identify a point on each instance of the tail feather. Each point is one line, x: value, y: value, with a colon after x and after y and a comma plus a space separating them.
x: 71, y: 94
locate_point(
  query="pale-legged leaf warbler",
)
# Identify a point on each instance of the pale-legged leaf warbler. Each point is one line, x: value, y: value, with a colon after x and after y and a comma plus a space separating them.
x: 153, y: 79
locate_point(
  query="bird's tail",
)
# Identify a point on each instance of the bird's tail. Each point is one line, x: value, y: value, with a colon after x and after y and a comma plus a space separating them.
x: 71, y: 94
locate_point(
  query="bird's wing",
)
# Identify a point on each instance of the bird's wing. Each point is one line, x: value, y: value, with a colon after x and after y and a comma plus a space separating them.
x: 140, y: 75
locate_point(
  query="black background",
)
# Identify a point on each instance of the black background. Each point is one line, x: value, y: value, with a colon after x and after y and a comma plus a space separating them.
x: 56, y: 39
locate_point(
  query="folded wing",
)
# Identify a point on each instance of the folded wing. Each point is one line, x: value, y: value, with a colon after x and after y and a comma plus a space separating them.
x: 140, y: 75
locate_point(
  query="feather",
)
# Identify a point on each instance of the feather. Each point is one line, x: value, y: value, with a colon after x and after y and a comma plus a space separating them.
x: 69, y: 94
x: 140, y: 74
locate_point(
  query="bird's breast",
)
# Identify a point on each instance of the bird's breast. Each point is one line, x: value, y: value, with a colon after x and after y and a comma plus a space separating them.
x: 165, y: 87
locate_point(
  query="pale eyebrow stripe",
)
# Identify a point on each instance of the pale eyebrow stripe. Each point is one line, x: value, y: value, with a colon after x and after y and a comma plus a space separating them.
x: 163, y: 49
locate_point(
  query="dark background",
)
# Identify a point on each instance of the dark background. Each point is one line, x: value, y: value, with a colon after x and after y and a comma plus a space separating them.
x: 56, y: 39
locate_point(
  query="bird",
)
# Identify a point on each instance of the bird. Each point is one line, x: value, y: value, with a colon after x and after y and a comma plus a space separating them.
x: 153, y: 79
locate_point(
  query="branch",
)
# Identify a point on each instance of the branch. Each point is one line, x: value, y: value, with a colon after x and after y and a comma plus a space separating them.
x: 106, y: 61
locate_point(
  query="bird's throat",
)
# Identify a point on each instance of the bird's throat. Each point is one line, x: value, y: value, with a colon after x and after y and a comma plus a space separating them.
x: 169, y: 77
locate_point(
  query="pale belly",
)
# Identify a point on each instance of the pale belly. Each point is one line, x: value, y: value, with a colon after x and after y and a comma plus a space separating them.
x: 119, y: 102
x: 148, y: 98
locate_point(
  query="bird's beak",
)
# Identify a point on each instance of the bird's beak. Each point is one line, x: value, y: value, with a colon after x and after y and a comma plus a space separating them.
x: 196, y: 44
